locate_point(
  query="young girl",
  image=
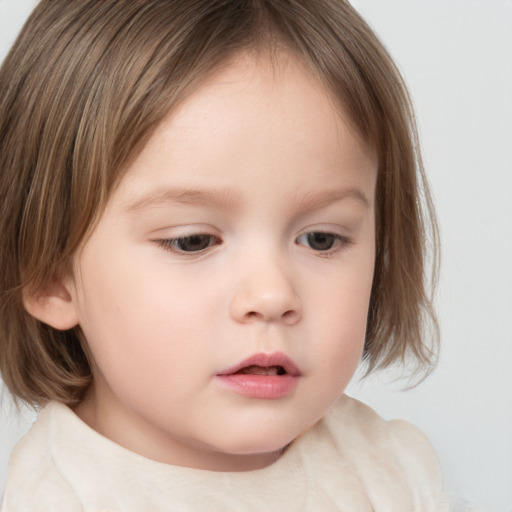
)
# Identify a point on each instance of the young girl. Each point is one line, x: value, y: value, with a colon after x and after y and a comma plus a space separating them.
x: 212, y: 210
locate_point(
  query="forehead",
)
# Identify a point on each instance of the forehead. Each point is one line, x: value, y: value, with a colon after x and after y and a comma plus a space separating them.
x: 253, y: 113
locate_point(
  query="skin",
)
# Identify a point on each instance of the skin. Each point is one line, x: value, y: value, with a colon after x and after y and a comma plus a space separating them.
x: 273, y: 161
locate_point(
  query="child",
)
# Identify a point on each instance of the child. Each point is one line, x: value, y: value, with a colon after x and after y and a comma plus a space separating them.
x: 211, y: 211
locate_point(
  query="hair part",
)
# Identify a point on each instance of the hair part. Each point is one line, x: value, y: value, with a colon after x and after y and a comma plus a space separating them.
x: 85, y: 86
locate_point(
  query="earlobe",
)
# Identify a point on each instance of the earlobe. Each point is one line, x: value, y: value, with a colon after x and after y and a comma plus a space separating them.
x: 53, y: 306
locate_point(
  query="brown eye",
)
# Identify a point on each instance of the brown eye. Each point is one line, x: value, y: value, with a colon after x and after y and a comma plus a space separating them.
x: 321, y: 241
x: 189, y: 244
x: 194, y: 243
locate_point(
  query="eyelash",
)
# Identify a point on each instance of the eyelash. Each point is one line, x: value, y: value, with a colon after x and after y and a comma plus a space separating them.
x: 339, y: 242
x: 172, y: 244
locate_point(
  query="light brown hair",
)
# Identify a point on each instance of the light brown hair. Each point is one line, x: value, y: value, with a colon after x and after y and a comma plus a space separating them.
x: 84, y: 87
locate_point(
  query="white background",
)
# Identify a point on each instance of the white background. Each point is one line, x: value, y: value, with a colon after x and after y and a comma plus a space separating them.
x: 456, y: 56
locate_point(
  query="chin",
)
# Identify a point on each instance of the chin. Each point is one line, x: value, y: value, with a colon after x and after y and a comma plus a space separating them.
x: 260, y: 441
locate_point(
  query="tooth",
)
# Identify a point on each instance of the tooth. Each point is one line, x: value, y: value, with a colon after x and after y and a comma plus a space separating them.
x: 261, y: 370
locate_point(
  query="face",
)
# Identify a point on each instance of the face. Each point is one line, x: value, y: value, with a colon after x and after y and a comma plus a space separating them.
x: 224, y: 293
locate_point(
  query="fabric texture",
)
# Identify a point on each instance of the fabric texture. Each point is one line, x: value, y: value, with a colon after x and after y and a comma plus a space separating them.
x: 351, y: 460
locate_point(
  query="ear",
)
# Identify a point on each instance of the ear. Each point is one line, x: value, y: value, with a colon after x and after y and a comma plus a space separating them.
x: 53, y: 306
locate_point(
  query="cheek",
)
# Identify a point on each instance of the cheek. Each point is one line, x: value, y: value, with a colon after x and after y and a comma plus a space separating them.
x: 341, y: 320
x: 344, y: 331
x: 139, y: 321
x: 336, y: 330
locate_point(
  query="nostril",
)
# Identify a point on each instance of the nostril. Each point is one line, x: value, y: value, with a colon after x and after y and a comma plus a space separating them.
x: 290, y: 315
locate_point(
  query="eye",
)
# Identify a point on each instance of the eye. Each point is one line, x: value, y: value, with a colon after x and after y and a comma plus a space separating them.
x: 190, y: 243
x: 322, y: 241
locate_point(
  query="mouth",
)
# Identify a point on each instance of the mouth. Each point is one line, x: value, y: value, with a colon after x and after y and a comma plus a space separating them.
x: 265, y: 365
x: 262, y: 376
x: 262, y: 370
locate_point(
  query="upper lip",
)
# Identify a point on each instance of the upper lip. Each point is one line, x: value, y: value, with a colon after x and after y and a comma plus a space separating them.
x: 266, y: 360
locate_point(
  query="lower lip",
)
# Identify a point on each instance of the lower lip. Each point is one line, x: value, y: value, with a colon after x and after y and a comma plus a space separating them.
x: 260, y: 386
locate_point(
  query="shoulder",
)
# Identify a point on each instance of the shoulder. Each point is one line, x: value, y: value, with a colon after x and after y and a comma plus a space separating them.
x: 34, y: 481
x: 393, y: 457
x: 351, y: 419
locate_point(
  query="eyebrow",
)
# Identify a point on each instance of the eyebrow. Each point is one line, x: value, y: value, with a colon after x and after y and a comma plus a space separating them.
x: 228, y: 199
x: 222, y: 199
x: 317, y: 200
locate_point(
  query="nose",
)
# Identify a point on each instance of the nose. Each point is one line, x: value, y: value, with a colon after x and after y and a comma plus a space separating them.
x: 265, y: 293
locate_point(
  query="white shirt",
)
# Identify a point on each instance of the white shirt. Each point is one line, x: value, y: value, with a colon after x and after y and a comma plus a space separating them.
x: 352, y: 460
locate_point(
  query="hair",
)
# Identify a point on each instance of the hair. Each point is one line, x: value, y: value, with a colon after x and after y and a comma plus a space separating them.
x: 83, y: 89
